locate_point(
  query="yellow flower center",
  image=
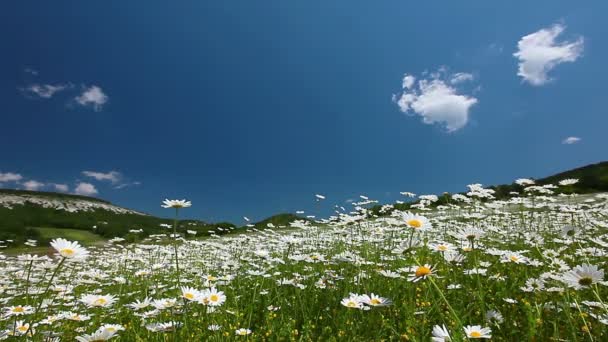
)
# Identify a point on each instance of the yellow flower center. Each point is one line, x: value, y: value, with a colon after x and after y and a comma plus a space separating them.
x: 514, y: 258
x: 415, y: 223
x: 475, y: 334
x: 22, y: 328
x: 375, y: 301
x: 422, y: 271
x: 67, y: 252
x: 189, y: 296
x: 352, y: 304
x: 100, y: 301
x: 442, y: 248
x: 19, y: 309
x: 214, y: 298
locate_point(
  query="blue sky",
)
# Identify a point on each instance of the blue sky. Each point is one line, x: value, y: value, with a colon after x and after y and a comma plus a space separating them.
x: 250, y: 108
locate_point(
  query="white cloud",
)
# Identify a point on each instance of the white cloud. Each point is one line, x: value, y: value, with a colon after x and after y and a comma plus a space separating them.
x: 31, y: 71
x: 539, y: 53
x: 126, y: 185
x: 92, y: 96
x: 45, y: 91
x: 571, y: 140
x: 10, y: 177
x: 461, y: 77
x: 61, y: 187
x: 86, y: 189
x: 112, y: 176
x: 408, y: 81
x: 33, y: 185
x: 437, y: 100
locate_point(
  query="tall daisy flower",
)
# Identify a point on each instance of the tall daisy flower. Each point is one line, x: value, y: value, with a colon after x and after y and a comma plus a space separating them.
x: 440, y: 334
x: 583, y: 276
x: 421, y: 272
x: 416, y: 222
x: 476, y: 331
x: 69, y: 249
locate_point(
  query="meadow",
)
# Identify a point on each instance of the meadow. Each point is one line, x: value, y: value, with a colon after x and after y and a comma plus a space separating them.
x: 528, y: 268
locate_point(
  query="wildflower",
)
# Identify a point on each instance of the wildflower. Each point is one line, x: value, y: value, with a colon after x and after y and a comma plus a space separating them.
x: 416, y: 222
x: 514, y: 258
x: 476, y: 331
x: 139, y: 304
x: 583, y: 276
x: 21, y: 328
x: 214, y: 327
x: 494, y: 316
x: 163, y: 327
x: 242, y: 332
x: 569, y: 231
x: 18, y: 310
x: 98, y: 300
x: 568, y: 181
x: 99, y: 335
x: 190, y: 294
x: 374, y: 300
x: 352, y: 302
x: 69, y: 249
x: 440, y: 334
x: 213, y: 297
x: 421, y: 272
x: 177, y: 204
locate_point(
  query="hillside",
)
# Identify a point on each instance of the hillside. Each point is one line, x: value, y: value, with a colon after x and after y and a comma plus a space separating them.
x: 24, y: 213
x: 45, y: 215
x: 592, y: 178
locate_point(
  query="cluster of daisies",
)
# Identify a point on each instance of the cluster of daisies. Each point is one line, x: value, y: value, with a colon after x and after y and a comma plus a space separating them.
x: 475, y: 268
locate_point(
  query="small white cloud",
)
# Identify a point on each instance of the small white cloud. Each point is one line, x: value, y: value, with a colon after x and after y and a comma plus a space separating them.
x: 44, y: 91
x: 112, y: 176
x: 86, y: 189
x: 539, y: 53
x: 61, y: 187
x: 126, y: 185
x: 31, y: 71
x: 33, y: 185
x: 461, y: 77
x: 92, y: 96
x: 571, y: 140
x: 437, y: 100
x: 10, y: 177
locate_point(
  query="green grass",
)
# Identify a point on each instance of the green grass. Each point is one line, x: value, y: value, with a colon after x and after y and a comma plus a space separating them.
x: 83, y: 236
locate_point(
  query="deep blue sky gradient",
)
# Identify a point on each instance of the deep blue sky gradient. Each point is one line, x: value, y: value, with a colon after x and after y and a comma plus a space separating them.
x: 252, y: 107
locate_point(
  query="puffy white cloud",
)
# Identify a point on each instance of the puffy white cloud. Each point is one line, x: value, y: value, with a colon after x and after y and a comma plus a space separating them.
x: 436, y: 99
x: 86, y: 189
x: 10, y: 177
x: 92, y: 96
x: 112, y: 176
x: 61, y: 187
x: 540, y: 52
x: 571, y: 140
x: 45, y: 91
x: 33, y: 185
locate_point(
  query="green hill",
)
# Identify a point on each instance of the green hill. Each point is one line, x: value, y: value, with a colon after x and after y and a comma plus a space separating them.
x: 592, y: 178
x: 22, y: 213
